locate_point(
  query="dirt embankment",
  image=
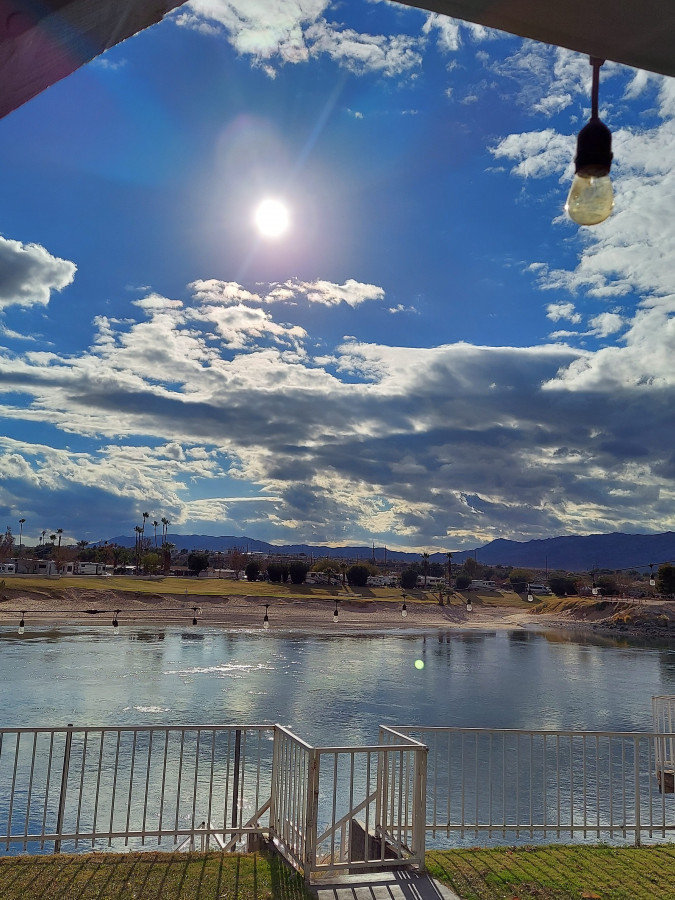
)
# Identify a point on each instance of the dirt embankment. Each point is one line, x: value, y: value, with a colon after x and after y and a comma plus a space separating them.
x: 647, y: 618
x: 96, y: 605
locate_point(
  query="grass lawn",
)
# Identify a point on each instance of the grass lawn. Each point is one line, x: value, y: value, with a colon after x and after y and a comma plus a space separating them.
x: 544, y: 873
x: 558, y: 873
x: 224, y: 587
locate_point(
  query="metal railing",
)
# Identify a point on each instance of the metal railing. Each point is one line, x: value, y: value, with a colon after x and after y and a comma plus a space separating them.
x: 500, y: 786
x: 365, y: 806
x: 663, y: 712
x: 328, y: 808
x: 126, y: 787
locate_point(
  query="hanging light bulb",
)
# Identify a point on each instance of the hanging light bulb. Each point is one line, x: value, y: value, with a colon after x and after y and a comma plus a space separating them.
x: 335, y: 614
x: 266, y: 619
x: 115, y: 623
x: 197, y: 610
x: 404, y: 610
x: 22, y: 624
x: 594, y: 589
x: 591, y: 200
x: 652, y: 580
x: 469, y: 607
x: 530, y: 595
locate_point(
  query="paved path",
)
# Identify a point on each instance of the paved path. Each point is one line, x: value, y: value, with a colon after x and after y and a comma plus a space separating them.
x: 396, y: 885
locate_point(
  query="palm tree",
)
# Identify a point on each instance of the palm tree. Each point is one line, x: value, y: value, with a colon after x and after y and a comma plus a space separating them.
x: 42, y: 537
x: 21, y: 523
x: 165, y: 528
x: 146, y: 515
x: 425, y: 563
x: 59, y: 531
x: 449, y: 555
x: 155, y: 525
x: 139, y: 536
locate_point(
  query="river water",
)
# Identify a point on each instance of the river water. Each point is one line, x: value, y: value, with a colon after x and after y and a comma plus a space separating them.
x: 333, y: 688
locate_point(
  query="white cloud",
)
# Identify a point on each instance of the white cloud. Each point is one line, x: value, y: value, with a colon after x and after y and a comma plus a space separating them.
x: 557, y: 311
x: 29, y: 273
x: 606, y: 323
x: 326, y: 293
x: 293, y: 31
x: 389, y: 55
x: 334, y: 443
x: 538, y: 154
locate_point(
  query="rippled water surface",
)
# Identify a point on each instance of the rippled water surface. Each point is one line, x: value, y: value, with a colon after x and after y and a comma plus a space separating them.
x: 328, y: 688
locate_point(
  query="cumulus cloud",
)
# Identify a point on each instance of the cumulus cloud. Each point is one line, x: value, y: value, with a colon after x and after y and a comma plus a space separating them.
x: 295, y: 31
x: 557, y: 311
x: 336, y: 446
x: 29, y: 274
x: 606, y: 323
x: 537, y: 154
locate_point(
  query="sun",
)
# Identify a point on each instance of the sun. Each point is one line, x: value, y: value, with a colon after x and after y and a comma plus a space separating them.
x: 271, y: 218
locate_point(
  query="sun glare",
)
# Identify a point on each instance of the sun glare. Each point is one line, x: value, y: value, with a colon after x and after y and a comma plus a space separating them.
x: 271, y: 218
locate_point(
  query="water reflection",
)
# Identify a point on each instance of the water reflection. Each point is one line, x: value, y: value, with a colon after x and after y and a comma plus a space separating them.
x: 329, y: 688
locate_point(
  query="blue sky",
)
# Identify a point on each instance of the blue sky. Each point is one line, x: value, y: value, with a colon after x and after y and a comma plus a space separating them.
x: 429, y: 357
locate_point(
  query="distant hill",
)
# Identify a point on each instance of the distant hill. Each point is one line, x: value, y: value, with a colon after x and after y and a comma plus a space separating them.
x: 582, y: 554
x: 573, y: 553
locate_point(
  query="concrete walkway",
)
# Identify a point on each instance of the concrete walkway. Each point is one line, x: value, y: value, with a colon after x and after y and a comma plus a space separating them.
x: 395, y: 885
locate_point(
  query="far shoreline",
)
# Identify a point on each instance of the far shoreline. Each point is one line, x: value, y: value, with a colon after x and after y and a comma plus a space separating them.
x: 242, y: 606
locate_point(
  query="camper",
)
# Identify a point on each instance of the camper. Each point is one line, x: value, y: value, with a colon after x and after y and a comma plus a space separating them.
x: 540, y: 589
x: 479, y: 585
x: 91, y: 568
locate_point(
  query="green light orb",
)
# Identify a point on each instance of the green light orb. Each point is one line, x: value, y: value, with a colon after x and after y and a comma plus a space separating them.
x: 419, y: 663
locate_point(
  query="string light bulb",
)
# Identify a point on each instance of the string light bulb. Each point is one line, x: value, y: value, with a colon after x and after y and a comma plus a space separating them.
x: 652, y: 580
x: 469, y: 607
x: 404, y: 610
x: 591, y: 199
x: 22, y: 624
x: 197, y: 610
x: 115, y: 623
x: 530, y: 595
x: 266, y: 619
x: 335, y: 614
x: 594, y: 588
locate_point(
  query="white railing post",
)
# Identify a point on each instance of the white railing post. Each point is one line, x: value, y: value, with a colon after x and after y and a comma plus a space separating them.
x: 311, y: 812
x: 276, y: 739
x: 636, y: 767
x: 64, y: 787
x: 419, y: 809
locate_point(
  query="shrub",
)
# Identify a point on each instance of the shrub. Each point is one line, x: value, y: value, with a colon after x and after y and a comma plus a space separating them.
x: 297, y: 571
x: 358, y: 575
x: 409, y: 579
x: 252, y: 570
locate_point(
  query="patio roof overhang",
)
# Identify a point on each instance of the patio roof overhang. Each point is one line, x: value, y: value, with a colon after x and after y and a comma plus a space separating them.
x: 42, y: 41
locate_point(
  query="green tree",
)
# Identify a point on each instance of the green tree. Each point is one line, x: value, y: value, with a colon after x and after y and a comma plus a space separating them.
x: 665, y: 579
x: 409, y: 579
x: 298, y: 570
x: 520, y: 578
x: 252, y: 570
x: 277, y: 572
x: 197, y: 561
x: 150, y: 561
x: 425, y: 566
x: 462, y: 582
x: 471, y: 568
x: 358, y: 575
x: 562, y: 584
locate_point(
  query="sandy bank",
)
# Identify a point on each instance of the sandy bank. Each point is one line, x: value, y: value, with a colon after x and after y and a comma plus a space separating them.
x: 96, y: 605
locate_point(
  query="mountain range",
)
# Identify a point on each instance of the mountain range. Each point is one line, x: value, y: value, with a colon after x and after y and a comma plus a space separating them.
x: 573, y: 553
